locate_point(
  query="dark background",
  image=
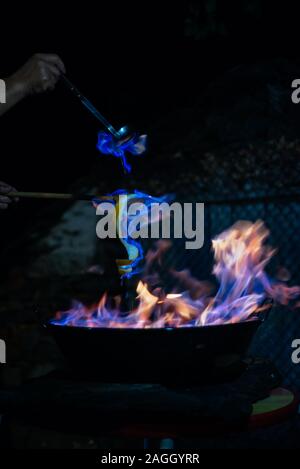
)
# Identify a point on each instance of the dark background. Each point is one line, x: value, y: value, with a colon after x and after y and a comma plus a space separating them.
x: 140, y: 64
x: 136, y: 63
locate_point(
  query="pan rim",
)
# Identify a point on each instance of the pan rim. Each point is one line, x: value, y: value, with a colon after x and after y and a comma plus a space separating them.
x: 255, y: 319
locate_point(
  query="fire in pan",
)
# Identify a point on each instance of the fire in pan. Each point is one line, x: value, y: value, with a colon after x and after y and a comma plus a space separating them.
x: 192, y: 336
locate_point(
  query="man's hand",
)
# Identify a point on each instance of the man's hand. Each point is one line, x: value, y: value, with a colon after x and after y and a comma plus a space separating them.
x: 5, y: 189
x: 40, y: 73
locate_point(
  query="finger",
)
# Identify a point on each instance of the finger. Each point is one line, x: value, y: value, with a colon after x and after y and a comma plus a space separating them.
x: 5, y: 188
x: 43, y: 72
x: 48, y: 72
x: 49, y: 79
x: 54, y: 60
x: 52, y: 69
x: 13, y: 199
x: 50, y: 84
x: 5, y: 200
x: 11, y: 189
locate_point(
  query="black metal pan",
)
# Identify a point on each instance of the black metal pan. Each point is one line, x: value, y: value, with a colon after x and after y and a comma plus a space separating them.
x: 165, y: 355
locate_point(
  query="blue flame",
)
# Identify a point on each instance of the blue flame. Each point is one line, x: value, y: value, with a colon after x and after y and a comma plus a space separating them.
x: 108, y: 145
x: 133, y: 247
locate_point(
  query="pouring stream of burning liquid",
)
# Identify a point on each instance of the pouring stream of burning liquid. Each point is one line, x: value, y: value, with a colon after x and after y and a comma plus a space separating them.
x: 240, y: 255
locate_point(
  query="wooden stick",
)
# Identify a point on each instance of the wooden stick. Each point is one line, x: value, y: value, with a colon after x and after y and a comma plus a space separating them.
x: 57, y: 196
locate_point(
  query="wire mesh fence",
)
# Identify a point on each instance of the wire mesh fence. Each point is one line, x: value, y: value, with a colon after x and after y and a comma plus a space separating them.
x: 282, y: 217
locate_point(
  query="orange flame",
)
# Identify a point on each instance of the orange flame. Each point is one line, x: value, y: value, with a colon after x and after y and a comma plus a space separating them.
x: 241, y: 256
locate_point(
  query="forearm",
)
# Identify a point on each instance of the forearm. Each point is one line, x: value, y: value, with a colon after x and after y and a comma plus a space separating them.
x: 15, y: 92
x: 40, y: 73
